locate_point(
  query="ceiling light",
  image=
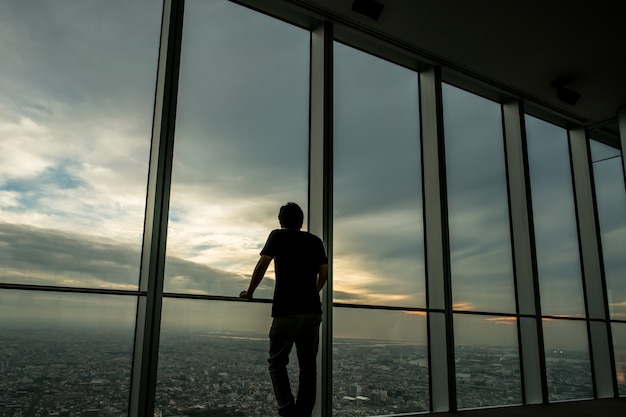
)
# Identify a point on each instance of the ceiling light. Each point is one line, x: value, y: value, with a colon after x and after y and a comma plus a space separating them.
x: 566, y: 95
x: 368, y: 8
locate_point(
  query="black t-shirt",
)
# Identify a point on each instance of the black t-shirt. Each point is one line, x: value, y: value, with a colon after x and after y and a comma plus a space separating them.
x: 297, y: 258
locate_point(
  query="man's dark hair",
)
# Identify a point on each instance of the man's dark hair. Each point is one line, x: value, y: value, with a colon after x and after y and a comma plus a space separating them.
x: 291, y: 216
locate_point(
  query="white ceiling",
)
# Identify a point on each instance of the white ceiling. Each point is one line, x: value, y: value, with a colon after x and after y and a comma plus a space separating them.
x: 521, y: 46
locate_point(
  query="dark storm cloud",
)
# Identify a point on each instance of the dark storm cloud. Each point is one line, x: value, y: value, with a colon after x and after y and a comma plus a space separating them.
x: 32, y: 255
x: 193, y: 278
x: 346, y: 297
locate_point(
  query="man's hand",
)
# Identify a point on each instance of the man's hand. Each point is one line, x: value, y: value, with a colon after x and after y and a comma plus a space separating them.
x: 257, y: 276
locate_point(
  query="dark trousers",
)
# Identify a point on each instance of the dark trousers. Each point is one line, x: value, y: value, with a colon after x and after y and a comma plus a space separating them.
x: 303, y: 331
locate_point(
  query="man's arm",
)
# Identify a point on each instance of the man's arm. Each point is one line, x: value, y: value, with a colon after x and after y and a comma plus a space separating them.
x: 322, y: 276
x: 257, y: 276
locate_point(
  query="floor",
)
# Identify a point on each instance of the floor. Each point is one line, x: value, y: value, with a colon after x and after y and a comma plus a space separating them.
x: 614, y: 407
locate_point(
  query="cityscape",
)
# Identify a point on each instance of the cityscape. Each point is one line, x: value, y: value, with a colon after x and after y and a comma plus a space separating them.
x: 77, y: 373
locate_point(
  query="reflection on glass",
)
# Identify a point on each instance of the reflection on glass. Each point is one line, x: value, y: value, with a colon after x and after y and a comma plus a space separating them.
x: 611, y: 203
x: 568, y: 367
x: 486, y: 361
x: 213, y: 358
x: 619, y: 347
x: 478, y: 214
x: 241, y: 146
x: 76, y: 107
x: 65, y: 351
x: 380, y: 368
x: 378, y: 233
x: 554, y: 217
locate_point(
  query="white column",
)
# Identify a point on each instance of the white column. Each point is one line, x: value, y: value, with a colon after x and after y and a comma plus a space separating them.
x: 591, y: 262
x: 147, y: 332
x: 320, y: 193
x: 440, y: 330
x: 531, y: 351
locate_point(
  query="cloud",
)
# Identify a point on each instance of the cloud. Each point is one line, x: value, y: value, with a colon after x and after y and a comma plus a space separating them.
x: 75, y: 116
x: 504, y: 320
x: 241, y: 105
x: 348, y: 297
x: 376, y: 146
x: 38, y: 256
x: 554, y: 218
x: 379, y: 254
x: 481, y: 258
x: 75, y: 121
x: 33, y: 255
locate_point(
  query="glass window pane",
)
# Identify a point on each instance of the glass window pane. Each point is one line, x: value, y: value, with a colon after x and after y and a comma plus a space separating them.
x: 568, y: 367
x: 554, y: 217
x: 381, y: 368
x: 213, y: 356
x: 61, y: 352
x: 241, y: 147
x: 378, y: 233
x: 77, y: 81
x: 478, y: 213
x: 611, y: 204
x: 619, y: 347
x: 486, y: 361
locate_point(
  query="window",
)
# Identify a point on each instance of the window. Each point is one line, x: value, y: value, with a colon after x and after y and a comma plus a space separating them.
x: 377, y: 239
x: 558, y: 262
x: 78, y: 81
x: 568, y: 368
x: 611, y: 204
x: 241, y: 146
x: 480, y: 241
x: 380, y: 362
x: 212, y: 356
x: 65, y: 351
x: 486, y: 346
x: 76, y: 110
x: 75, y: 128
x: 619, y: 347
x: 554, y: 216
x: 240, y: 153
x: 486, y: 360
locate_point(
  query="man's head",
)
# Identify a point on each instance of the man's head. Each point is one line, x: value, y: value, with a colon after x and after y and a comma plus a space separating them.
x: 291, y: 216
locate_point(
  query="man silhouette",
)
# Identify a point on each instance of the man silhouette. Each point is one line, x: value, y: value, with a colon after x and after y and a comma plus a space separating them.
x: 301, y: 267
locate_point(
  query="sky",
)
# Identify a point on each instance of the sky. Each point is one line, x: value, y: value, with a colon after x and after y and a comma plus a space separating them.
x: 76, y: 109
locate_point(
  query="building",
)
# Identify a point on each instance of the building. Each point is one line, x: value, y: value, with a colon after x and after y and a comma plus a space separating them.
x: 462, y: 163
